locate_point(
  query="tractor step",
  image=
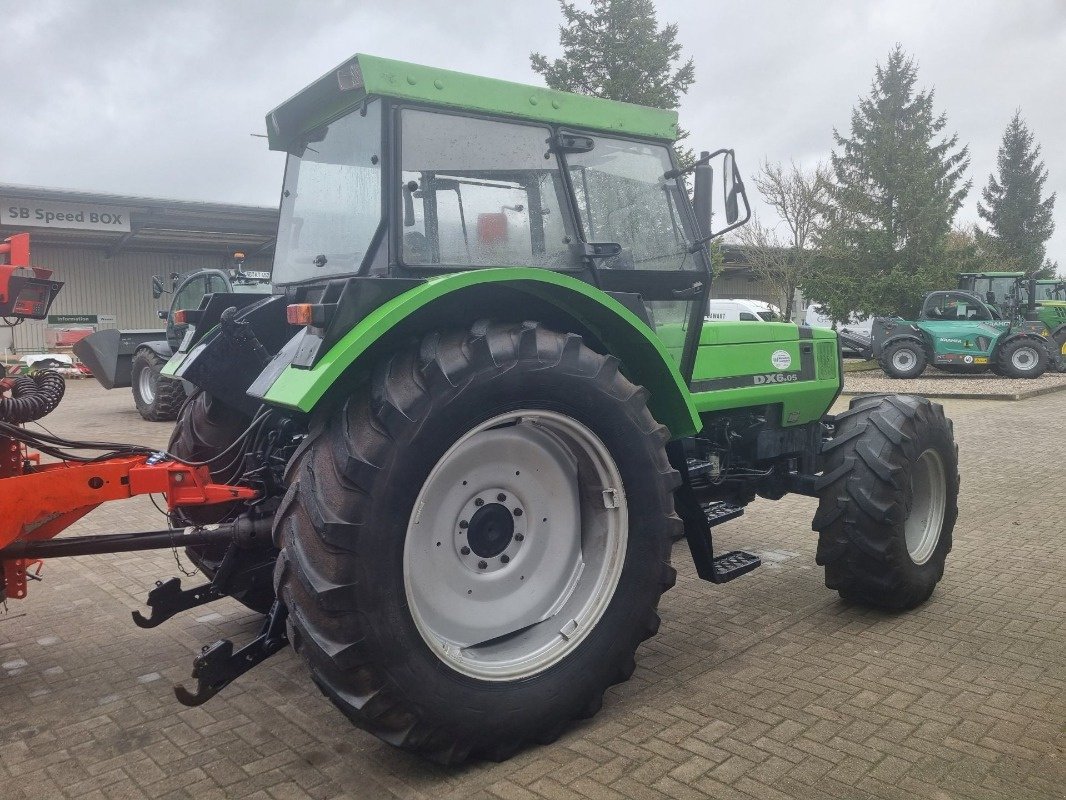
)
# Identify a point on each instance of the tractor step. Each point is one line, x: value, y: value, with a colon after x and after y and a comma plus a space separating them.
x: 717, y: 513
x: 698, y: 532
x: 733, y: 565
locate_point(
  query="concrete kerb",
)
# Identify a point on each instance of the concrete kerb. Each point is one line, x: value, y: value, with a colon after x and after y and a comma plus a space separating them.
x: 965, y: 396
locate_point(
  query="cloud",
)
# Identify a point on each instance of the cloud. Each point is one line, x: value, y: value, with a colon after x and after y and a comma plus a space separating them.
x: 160, y: 99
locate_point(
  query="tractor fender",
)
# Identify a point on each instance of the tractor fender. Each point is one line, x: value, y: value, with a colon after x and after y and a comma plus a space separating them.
x: 887, y: 330
x: 160, y: 348
x: 900, y: 337
x: 458, y: 299
x: 1035, y: 335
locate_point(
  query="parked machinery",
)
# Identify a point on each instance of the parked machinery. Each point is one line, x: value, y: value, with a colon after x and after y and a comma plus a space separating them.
x: 449, y: 454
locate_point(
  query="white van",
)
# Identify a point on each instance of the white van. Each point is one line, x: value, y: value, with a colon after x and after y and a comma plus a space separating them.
x: 816, y: 318
x: 742, y: 311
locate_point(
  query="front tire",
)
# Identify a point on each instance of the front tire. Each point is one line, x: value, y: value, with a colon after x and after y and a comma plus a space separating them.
x: 157, y: 397
x: 1022, y: 358
x: 1058, y: 341
x: 888, y: 501
x: 206, y: 427
x: 449, y: 639
x: 904, y: 359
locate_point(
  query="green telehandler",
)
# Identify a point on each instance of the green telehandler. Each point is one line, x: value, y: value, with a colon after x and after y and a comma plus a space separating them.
x: 1020, y: 297
x: 957, y: 332
x: 483, y: 401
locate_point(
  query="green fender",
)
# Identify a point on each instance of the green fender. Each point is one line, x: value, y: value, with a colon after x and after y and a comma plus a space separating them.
x: 645, y: 359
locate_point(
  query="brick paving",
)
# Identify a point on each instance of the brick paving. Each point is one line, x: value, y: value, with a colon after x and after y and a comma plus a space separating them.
x: 767, y: 687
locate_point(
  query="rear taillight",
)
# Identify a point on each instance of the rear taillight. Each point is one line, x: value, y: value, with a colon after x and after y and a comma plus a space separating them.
x: 299, y: 314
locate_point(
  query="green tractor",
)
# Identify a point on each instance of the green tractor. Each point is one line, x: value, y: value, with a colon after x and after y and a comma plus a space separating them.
x: 1017, y: 296
x: 482, y: 403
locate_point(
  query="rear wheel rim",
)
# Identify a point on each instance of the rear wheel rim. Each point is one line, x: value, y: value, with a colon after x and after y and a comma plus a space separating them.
x: 146, y: 385
x: 515, y: 545
x: 928, y: 505
x: 904, y: 359
x: 1025, y: 358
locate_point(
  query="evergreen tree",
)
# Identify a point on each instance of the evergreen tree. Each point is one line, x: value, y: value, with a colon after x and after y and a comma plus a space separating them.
x: 616, y: 50
x: 895, y: 191
x: 1018, y: 216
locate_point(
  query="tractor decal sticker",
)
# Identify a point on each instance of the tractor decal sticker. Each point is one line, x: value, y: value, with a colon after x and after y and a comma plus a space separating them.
x: 775, y: 377
x: 744, y: 381
x: 781, y: 359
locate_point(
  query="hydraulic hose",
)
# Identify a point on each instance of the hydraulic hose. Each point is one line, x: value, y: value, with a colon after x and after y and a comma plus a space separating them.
x: 32, y: 397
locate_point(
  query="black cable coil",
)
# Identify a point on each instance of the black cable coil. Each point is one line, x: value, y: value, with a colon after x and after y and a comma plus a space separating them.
x: 32, y: 397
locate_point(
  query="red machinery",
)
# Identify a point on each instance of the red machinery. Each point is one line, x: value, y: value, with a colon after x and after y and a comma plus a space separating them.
x: 39, y: 500
x: 25, y: 292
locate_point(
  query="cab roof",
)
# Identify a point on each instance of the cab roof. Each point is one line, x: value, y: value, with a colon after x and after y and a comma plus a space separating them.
x: 364, y: 76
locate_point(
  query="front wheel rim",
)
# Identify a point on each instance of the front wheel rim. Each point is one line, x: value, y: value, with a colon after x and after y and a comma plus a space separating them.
x: 515, y: 545
x: 928, y: 505
x: 904, y: 360
x: 146, y: 383
x: 1024, y: 359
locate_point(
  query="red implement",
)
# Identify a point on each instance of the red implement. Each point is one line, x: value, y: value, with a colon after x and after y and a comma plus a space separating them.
x: 48, y: 498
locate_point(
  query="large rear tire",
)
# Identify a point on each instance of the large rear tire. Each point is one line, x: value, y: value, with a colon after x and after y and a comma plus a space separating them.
x: 473, y: 547
x: 888, y: 501
x: 205, y: 428
x: 157, y: 397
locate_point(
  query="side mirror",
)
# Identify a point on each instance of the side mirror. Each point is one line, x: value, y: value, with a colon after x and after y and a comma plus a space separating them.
x: 990, y: 297
x: 157, y: 287
x: 703, y: 190
x: 731, y: 188
x: 163, y: 314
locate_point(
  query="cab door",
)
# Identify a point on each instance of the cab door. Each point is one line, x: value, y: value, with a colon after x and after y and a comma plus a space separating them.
x: 188, y: 295
x: 623, y: 198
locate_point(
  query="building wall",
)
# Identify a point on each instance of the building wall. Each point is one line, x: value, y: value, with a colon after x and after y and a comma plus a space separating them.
x: 120, y: 287
x: 736, y: 284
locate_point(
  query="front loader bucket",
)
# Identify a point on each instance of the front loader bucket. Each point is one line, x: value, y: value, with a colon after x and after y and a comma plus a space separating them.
x: 109, y: 354
x: 856, y: 341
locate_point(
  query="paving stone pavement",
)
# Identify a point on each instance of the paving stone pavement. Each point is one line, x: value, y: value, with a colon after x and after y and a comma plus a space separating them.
x: 767, y: 687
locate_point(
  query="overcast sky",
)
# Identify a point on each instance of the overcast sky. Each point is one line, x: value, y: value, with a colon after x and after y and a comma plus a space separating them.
x: 156, y: 99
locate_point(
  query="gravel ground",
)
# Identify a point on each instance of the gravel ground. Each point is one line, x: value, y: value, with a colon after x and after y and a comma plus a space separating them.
x: 940, y: 384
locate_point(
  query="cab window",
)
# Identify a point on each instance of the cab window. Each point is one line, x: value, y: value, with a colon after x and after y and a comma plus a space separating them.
x: 623, y: 196
x: 955, y: 306
x: 481, y: 193
x: 190, y: 295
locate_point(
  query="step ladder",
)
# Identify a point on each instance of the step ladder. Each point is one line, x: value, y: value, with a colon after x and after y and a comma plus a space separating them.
x: 731, y: 565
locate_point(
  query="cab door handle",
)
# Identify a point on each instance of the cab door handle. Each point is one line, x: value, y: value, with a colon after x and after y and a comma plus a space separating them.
x: 691, y: 291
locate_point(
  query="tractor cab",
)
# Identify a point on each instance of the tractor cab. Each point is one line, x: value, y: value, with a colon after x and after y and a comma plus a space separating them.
x: 1002, y: 290
x: 417, y: 173
x: 953, y: 306
x: 1051, y: 290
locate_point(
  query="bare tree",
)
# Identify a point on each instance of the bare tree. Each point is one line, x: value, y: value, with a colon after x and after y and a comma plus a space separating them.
x: 784, y: 258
